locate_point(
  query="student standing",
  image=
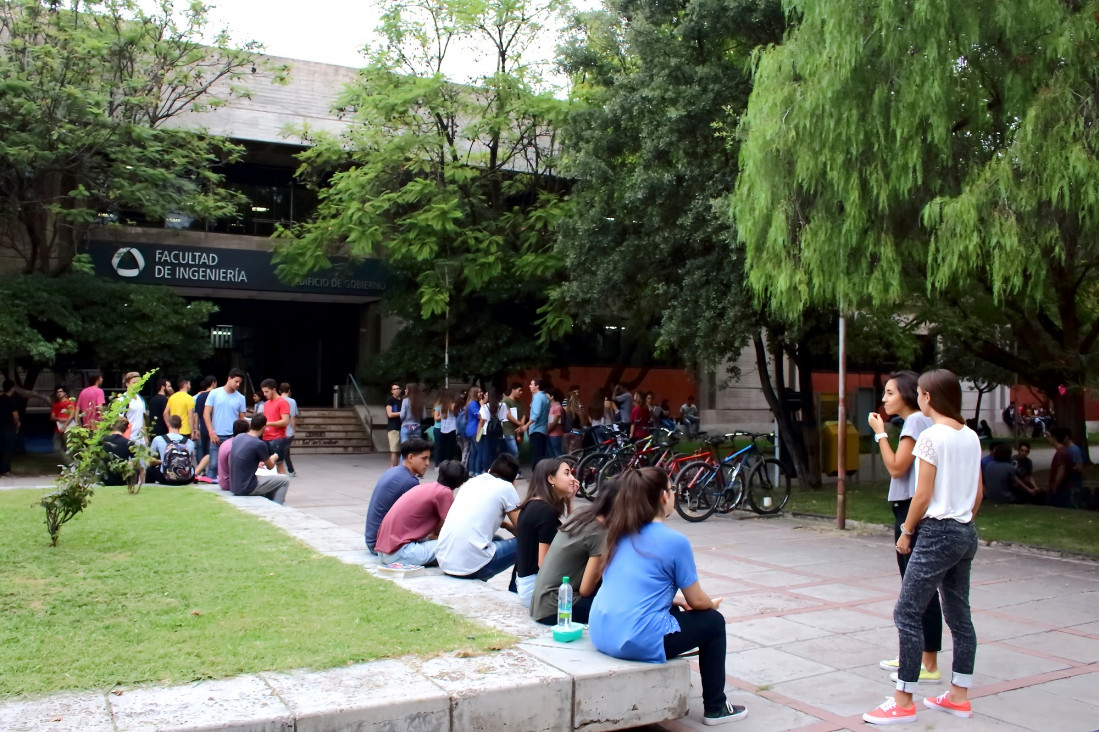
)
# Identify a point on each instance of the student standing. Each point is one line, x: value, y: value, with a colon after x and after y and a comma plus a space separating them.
x: 393, y: 423
x: 900, y: 399
x: 948, y: 496
x: 638, y: 615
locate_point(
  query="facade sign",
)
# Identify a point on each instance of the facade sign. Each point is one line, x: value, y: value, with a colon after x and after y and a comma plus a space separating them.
x: 234, y: 269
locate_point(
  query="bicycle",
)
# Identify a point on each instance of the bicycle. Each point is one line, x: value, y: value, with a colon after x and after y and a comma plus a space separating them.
x: 656, y: 451
x: 745, y: 476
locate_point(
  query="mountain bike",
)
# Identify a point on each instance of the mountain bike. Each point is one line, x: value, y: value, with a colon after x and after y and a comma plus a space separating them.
x: 744, y: 477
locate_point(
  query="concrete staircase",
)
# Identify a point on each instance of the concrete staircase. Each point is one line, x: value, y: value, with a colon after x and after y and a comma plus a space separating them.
x: 331, y: 432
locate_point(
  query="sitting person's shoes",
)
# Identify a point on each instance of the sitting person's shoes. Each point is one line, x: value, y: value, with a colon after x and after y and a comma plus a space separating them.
x: 729, y: 713
x: 890, y: 713
x: 963, y: 710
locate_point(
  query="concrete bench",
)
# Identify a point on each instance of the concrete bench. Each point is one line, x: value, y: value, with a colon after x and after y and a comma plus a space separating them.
x: 539, y: 684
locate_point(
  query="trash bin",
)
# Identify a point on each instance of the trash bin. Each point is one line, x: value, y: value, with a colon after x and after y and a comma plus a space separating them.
x: 829, y: 438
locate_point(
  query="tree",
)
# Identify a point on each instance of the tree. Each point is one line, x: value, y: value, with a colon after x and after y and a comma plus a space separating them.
x: 453, y: 184
x: 75, y: 320
x: 88, y: 94
x: 935, y: 157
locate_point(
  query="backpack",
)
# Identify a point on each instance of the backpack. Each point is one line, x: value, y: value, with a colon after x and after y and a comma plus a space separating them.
x: 494, y: 428
x: 176, y: 466
x: 460, y: 420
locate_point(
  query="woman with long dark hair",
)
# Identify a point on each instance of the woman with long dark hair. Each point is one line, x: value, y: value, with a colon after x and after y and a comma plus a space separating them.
x: 899, y: 399
x: 575, y: 552
x: 413, y: 413
x: 947, y: 498
x: 446, y: 442
x: 549, y: 497
x: 637, y: 614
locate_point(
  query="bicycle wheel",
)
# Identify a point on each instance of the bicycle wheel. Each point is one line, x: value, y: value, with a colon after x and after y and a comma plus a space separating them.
x: 733, y: 481
x: 608, y: 470
x: 587, y: 470
x: 768, y: 487
x: 696, y: 490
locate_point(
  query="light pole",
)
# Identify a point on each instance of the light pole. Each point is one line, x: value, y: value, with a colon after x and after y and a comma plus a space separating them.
x: 448, y: 270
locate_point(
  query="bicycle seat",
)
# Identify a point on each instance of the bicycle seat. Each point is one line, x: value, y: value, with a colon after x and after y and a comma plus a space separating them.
x: 715, y: 440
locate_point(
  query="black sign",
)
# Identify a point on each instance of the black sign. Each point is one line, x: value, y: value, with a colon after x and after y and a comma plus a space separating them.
x: 233, y: 269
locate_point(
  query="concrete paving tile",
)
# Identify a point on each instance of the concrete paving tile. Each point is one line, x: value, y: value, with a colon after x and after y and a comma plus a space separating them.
x: 83, y: 712
x: 764, y: 715
x: 1038, y: 588
x: 858, y: 569
x: 241, y: 704
x: 1089, y: 628
x: 883, y: 608
x: 1080, y: 688
x: 762, y: 602
x: 767, y: 666
x: 1062, y: 611
x: 778, y: 578
x: 506, y: 691
x: 841, y: 620
x: 1039, y: 710
x: 837, y: 651
x: 1003, y: 663
x: 328, y: 539
x: 720, y: 586
x: 377, y: 696
x: 1062, y: 645
x: 993, y: 628
x: 837, y: 592
x: 773, y: 631
x: 984, y: 598
x: 840, y: 693
x: 1020, y: 566
x: 735, y: 644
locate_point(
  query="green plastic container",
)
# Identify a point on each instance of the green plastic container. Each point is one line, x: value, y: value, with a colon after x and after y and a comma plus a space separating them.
x: 567, y: 635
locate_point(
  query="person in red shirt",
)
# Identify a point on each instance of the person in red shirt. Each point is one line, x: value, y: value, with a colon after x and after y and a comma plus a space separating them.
x: 277, y: 411
x: 409, y: 532
x: 89, y: 405
x: 63, y: 415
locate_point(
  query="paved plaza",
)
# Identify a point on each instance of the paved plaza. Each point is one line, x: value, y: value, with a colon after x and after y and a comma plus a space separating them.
x: 809, y: 614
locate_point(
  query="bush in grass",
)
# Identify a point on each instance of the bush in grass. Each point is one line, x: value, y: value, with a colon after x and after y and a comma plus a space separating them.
x: 75, y: 485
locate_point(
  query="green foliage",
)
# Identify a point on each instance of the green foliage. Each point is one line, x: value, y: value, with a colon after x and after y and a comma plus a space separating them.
x: 88, y: 89
x: 90, y: 458
x: 938, y: 159
x: 181, y: 586
x: 454, y: 185
x: 647, y: 239
x: 76, y: 319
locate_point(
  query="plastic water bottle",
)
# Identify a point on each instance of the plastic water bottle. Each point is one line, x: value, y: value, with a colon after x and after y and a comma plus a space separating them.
x: 564, y: 604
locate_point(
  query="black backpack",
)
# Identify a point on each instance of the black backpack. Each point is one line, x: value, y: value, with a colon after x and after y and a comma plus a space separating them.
x: 176, y: 466
x: 494, y: 428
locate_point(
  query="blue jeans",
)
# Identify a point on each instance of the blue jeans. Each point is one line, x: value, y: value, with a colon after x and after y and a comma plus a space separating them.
x: 488, y: 448
x: 504, y: 558
x: 511, y: 446
x: 940, y: 563
x: 212, y: 467
x: 414, y: 552
x: 555, y: 446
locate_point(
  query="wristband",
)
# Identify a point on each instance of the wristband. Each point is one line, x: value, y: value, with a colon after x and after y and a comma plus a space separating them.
x: 905, y: 531
x: 878, y: 437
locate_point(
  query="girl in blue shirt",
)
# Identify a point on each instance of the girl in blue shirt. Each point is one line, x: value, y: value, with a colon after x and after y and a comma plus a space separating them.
x: 638, y: 615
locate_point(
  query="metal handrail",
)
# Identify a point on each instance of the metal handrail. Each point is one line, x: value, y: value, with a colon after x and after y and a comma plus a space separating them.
x: 362, y: 400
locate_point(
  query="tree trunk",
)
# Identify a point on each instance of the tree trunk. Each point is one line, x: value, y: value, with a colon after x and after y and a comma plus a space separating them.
x: 788, y: 431
x: 1070, y: 411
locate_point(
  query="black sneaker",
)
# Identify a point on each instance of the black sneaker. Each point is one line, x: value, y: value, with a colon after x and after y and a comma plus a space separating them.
x: 730, y: 713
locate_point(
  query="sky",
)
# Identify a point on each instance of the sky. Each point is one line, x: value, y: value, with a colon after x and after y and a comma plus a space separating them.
x: 335, y: 31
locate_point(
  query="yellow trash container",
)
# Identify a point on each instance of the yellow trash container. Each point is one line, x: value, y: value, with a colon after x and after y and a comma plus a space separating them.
x: 829, y: 437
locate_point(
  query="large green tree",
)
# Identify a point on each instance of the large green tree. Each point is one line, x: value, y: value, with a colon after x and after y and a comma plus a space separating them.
x: 88, y: 89
x: 453, y: 181
x: 940, y: 159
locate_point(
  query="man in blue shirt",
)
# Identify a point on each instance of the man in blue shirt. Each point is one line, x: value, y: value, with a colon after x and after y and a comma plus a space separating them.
x: 539, y: 419
x: 223, y: 407
x: 394, y: 483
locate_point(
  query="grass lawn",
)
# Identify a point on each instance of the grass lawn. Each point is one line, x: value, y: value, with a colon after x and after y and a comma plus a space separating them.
x: 1052, y: 528
x: 173, y: 585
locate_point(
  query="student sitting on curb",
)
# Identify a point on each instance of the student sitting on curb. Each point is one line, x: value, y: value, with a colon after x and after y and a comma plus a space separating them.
x: 576, y: 553
x: 410, y: 531
x: 468, y: 546
x: 225, y: 473
x: 247, y: 454
x: 394, y: 483
x: 549, y: 497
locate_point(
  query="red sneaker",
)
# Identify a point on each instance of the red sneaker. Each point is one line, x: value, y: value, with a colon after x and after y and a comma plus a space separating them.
x: 890, y: 713
x: 964, y: 710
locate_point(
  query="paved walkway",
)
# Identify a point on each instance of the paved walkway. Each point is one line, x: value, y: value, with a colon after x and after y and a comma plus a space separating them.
x: 809, y: 613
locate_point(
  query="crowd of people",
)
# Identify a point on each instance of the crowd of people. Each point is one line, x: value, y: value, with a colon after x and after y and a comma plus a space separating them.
x: 634, y: 578
x: 476, y: 425
x: 176, y: 438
